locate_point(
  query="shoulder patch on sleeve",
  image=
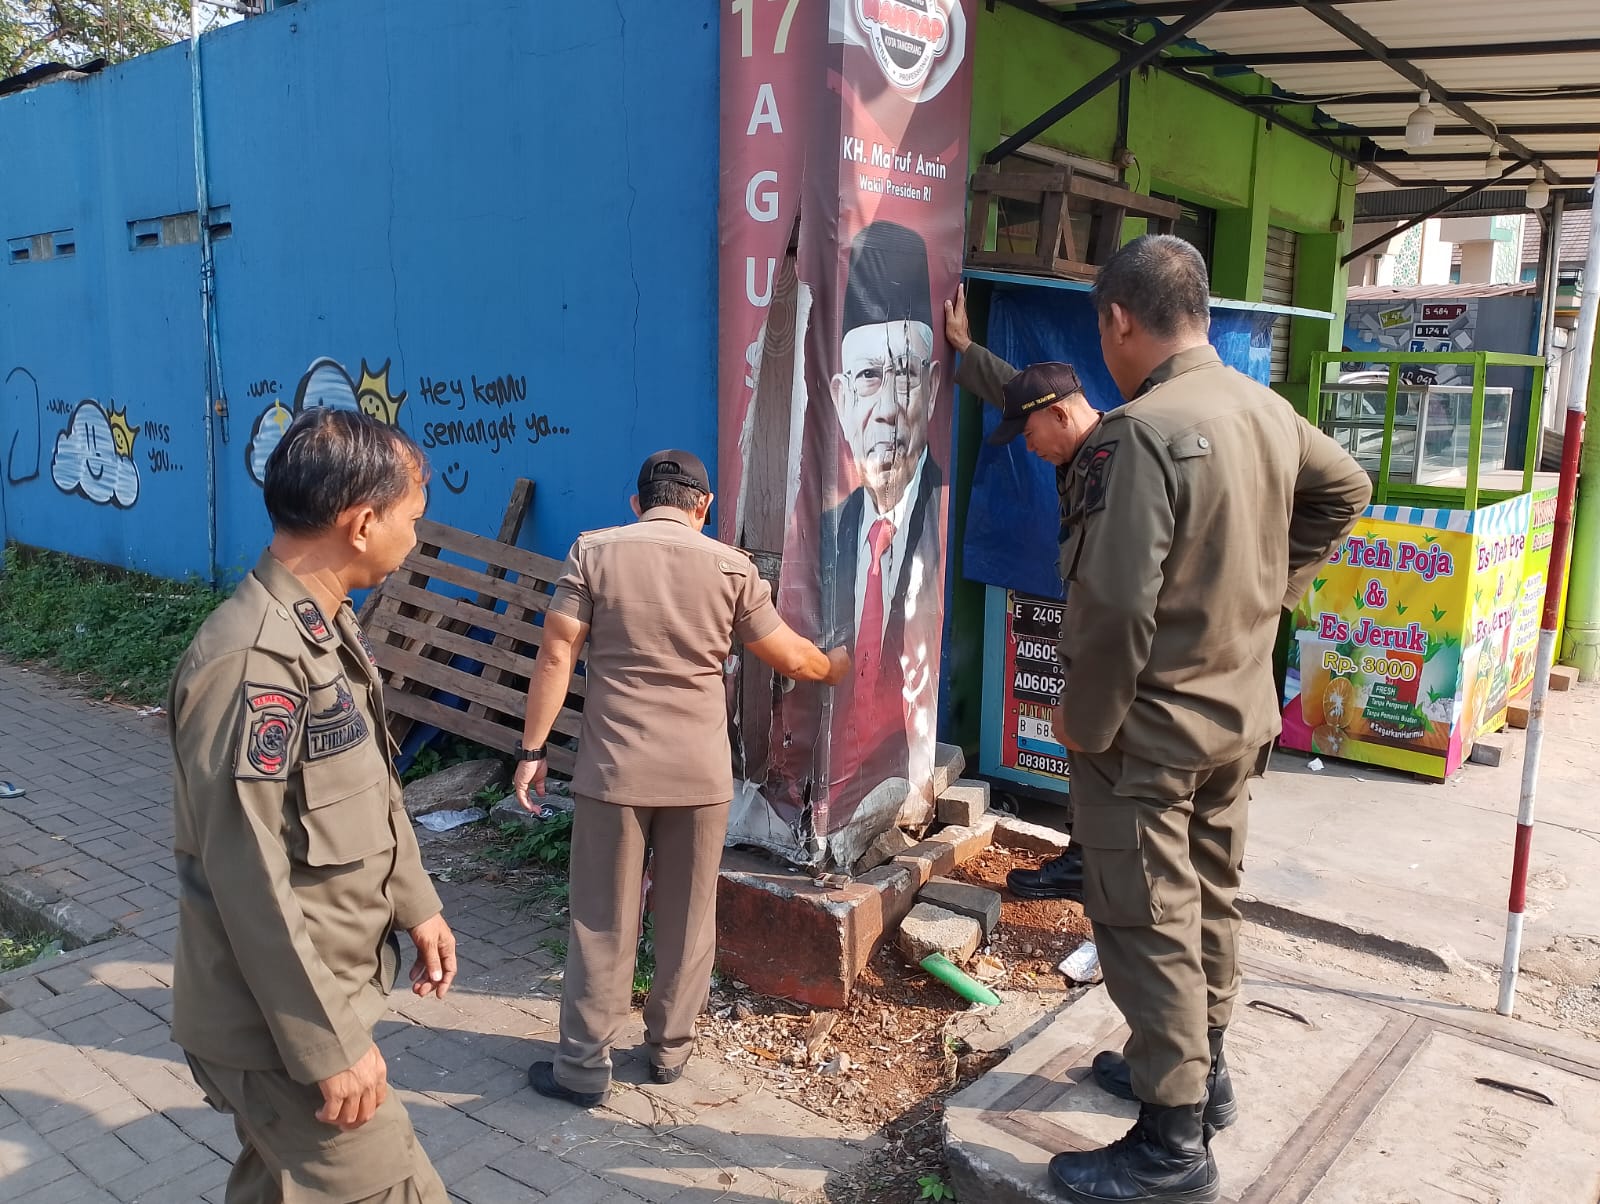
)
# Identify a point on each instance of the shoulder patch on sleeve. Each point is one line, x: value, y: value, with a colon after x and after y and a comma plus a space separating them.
x: 269, y: 723
x: 1096, y: 470
x: 1188, y: 446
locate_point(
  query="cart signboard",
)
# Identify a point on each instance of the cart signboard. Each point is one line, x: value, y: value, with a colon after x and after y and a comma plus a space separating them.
x: 1404, y: 648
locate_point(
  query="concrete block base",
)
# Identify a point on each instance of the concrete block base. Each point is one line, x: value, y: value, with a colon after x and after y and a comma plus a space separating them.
x: 781, y: 934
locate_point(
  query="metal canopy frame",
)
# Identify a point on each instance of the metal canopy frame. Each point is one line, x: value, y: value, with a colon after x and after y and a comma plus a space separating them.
x: 1099, y: 21
x: 1445, y: 205
x: 1326, y: 139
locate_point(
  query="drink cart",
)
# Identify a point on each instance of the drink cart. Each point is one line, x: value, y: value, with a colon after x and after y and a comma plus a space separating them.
x: 1422, y: 626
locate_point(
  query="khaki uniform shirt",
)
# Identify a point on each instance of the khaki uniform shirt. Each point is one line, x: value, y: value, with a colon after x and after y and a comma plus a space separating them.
x: 1196, y: 514
x: 663, y: 603
x: 296, y: 860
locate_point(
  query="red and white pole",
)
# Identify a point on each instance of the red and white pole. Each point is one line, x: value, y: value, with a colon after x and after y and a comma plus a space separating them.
x: 1577, y: 364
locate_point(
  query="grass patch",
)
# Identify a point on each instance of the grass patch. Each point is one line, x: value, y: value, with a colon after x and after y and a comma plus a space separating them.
x: 120, y: 634
x: 20, y: 950
x: 547, y: 844
x: 443, y: 753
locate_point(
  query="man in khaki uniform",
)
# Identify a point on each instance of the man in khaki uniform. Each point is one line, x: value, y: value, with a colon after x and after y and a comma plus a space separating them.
x: 1197, y: 512
x: 296, y: 861
x: 660, y: 605
x: 1054, y: 439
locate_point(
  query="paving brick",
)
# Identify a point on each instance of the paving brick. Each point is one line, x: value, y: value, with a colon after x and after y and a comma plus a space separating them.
x: 489, y: 1186
x: 482, y: 1151
x: 172, y: 1175
x: 964, y: 803
x: 964, y: 899
x: 153, y: 1138
x: 105, y: 1159
x: 538, y: 1168
x: 38, y: 1174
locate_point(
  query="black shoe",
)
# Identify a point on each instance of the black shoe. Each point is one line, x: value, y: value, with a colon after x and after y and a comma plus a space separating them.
x: 1059, y: 878
x: 1222, y: 1109
x: 542, y: 1078
x: 1163, y: 1159
x: 665, y: 1074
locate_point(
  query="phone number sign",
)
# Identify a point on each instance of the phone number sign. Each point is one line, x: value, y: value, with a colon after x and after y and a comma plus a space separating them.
x: 1033, y: 682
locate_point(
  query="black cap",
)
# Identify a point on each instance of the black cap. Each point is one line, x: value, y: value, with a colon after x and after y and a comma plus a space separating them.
x: 1034, y: 388
x: 678, y: 467
x: 888, y: 278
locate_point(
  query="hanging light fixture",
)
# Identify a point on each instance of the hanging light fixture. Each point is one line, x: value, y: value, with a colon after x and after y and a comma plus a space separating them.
x: 1420, y: 125
x: 1493, y: 165
x: 1538, y: 194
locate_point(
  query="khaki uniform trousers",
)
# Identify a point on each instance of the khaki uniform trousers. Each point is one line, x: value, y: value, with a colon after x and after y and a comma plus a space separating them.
x: 291, y: 1157
x: 1162, y: 853
x: 609, y: 843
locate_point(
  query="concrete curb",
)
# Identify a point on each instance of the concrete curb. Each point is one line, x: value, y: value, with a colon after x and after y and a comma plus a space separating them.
x: 79, y: 925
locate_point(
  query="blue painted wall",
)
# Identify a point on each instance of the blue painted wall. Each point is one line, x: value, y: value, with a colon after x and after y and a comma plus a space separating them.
x: 498, y: 220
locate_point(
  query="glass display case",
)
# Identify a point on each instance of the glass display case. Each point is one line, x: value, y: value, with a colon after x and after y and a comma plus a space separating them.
x: 1432, y: 429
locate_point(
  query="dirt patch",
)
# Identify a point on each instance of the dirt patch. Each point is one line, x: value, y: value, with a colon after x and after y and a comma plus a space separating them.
x: 1034, y: 934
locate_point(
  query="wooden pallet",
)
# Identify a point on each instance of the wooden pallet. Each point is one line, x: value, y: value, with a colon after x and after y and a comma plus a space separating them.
x: 424, y: 616
x: 1060, y: 192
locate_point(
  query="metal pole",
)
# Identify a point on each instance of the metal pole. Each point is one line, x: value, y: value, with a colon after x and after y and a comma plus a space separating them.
x: 1582, y: 627
x: 208, y: 296
x: 1572, y: 444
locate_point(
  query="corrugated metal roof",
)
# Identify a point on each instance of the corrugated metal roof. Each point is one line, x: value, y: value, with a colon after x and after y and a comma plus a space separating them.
x: 1401, y: 24
x: 1428, y: 292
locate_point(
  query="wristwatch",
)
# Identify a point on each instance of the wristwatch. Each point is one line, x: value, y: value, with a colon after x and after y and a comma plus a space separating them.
x: 530, y: 754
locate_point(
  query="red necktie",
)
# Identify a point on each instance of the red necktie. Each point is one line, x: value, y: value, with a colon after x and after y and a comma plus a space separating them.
x: 869, y: 635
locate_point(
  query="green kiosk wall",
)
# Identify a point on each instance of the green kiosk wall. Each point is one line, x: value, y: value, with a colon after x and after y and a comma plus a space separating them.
x: 1190, y: 145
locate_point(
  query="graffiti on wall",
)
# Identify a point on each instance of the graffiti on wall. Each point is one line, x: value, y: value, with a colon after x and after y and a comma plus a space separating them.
x: 325, y: 385
x: 20, y: 413
x: 94, y: 456
x: 469, y: 426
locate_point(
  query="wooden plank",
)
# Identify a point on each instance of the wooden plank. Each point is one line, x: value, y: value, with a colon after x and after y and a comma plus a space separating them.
x: 472, y: 579
x: 1023, y: 179
x: 469, y: 687
x: 511, y: 527
x: 508, y: 659
x: 460, y: 644
x: 498, y: 736
x: 462, y: 610
x: 464, y: 543
x: 1055, y: 231
x: 1136, y: 203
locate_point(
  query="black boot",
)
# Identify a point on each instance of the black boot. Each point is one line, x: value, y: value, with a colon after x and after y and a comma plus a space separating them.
x: 1059, y: 878
x: 1111, y: 1073
x: 1163, y: 1159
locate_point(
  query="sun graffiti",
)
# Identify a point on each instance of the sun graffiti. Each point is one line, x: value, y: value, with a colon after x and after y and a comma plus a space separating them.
x: 122, y: 433
x: 373, y: 395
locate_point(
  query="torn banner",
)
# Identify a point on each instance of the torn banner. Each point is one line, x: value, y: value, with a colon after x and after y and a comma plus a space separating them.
x: 844, y: 154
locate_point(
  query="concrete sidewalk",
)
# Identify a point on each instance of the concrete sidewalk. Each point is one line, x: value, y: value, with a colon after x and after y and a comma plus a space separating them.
x: 96, y: 1104
x: 1427, y: 865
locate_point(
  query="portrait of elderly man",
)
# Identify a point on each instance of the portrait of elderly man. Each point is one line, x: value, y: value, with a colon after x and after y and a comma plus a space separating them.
x: 881, y: 550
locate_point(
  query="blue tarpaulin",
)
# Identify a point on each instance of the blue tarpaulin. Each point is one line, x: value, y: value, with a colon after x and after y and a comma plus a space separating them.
x: 1014, y: 516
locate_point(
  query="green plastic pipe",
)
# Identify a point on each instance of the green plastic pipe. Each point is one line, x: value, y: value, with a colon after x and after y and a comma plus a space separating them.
x: 947, y: 972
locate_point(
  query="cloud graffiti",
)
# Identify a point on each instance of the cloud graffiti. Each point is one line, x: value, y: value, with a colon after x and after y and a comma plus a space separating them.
x: 324, y: 385
x: 88, y: 458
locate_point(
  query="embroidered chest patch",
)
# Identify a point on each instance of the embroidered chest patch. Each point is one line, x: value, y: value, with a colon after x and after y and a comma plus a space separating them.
x: 272, y: 716
x: 335, y: 722
x: 310, y: 616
